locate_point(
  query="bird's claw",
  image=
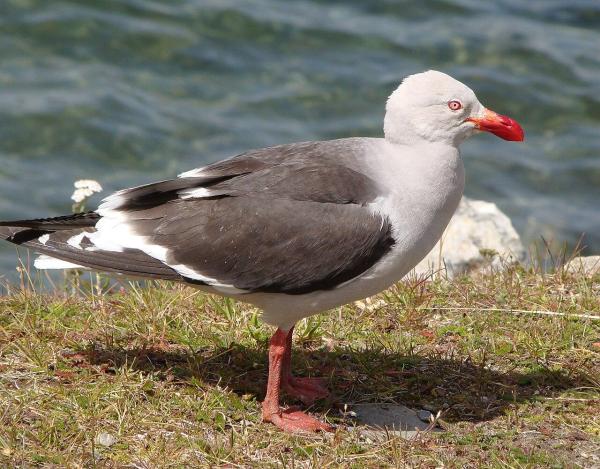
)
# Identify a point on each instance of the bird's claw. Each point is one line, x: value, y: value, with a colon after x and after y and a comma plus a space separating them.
x: 295, y: 421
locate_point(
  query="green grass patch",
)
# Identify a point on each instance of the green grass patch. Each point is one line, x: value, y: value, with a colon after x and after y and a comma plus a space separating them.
x: 164, y: 376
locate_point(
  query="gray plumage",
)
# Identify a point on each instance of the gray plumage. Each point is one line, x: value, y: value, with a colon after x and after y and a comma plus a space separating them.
x: 286, y: 219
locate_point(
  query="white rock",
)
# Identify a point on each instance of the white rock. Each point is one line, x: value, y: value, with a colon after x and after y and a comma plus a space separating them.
x: 105, y: 439
x: 588, y: 265
x: 477, y: 231
x: 378, y: 420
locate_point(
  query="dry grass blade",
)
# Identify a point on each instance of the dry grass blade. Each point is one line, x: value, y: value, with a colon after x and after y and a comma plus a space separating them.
x: 513, y: 311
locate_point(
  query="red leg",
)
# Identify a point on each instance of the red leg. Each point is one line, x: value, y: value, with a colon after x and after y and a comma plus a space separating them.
x: 306, y: 389
x: 287, y: 419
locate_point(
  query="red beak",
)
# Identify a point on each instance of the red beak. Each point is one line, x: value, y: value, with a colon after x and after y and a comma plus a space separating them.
x: 502, y: 126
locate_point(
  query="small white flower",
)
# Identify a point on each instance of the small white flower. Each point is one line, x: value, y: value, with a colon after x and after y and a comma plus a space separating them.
x: 84, y: 188
x: 88, y: 183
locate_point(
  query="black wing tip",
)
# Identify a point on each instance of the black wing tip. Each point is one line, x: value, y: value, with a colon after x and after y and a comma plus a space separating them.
x: 63, y: 222
x: 19, y: 234
x: 26, y: 235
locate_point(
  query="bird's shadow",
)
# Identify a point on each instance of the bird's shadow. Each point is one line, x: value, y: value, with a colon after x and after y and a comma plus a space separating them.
x: 465, y: 391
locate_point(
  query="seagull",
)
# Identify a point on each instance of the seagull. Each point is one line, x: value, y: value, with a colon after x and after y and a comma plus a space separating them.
x: 293, y: 229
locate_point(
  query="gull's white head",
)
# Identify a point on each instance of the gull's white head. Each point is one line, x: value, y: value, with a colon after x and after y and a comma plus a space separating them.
x: 434, y: 107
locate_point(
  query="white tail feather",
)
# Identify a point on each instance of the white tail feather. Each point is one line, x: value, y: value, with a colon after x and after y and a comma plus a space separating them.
x: 44, y: 262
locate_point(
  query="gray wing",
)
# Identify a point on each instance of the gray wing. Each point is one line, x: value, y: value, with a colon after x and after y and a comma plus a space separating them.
x: 269, y: 244
x: 290, y: 219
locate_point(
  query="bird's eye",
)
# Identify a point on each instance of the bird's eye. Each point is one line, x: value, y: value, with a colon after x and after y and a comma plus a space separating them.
x: 454, y: 105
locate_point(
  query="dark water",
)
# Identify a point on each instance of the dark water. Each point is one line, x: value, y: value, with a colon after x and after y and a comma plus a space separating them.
x: 129, y: 91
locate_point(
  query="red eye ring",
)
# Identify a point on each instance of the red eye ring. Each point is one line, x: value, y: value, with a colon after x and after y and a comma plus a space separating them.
x: 454, y: 105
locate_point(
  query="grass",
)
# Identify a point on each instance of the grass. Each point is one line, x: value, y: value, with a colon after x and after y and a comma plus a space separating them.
x: 164, y: 376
